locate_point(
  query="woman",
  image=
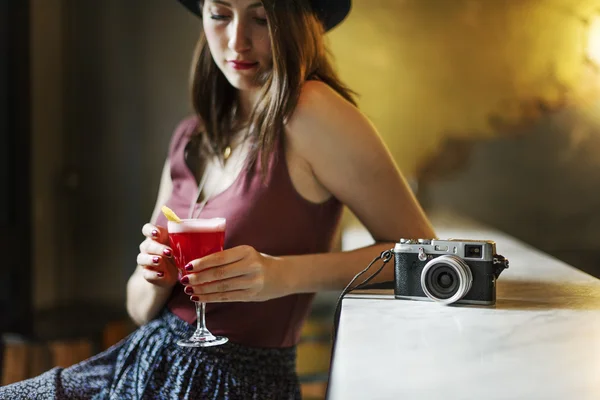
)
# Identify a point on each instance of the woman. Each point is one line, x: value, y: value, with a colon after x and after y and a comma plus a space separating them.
x: 278, y: 147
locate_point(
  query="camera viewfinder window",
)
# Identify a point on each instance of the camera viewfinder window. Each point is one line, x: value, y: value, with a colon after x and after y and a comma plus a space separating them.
x: 473, y: 251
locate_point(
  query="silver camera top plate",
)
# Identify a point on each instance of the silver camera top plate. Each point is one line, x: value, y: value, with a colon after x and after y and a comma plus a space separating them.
x: 476, y: 250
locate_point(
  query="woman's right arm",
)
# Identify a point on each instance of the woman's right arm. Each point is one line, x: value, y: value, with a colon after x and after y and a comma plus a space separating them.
x: 150, y: 286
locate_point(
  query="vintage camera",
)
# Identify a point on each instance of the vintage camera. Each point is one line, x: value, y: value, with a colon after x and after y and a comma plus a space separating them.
x: 447, y: 271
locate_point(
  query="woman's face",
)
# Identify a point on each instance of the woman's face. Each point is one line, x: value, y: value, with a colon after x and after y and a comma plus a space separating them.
x: 238, y: 37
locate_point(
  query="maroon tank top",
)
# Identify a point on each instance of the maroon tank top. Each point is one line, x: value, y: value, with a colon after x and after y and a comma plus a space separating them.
x: 268, y: 214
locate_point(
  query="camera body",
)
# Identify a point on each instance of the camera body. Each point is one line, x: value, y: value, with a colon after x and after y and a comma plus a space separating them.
x: 447, y: 271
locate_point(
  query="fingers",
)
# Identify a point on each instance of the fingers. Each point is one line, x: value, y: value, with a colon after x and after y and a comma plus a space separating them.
x: 165, y: 275
x: 152, y: 261
x: 220, y: 273
x: 221, y: 258
x: 157, y: 233
x: 155, y: 258
x: 149, y: 246
x: 229, y: 275
x: 155, y: 255
x: 156, y: 244
x: 227, y: 285
x: 153, y: 276
x: 157, y: 263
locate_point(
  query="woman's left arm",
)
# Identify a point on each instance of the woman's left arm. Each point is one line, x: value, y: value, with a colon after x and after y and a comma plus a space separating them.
x: 348, y: 158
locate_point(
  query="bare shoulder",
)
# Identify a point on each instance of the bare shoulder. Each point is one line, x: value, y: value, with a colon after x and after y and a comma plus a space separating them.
x: 321, y: 93
x: 320, y: 110
x: 325, y: 124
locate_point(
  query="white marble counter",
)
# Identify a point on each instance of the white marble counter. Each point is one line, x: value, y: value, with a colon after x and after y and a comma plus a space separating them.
x: 540, y: 341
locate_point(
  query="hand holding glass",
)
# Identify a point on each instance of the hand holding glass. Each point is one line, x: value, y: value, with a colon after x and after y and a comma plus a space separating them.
x: 192, y: 239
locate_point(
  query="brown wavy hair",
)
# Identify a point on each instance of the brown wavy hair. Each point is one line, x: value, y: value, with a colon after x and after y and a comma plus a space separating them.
x: 299, y: 54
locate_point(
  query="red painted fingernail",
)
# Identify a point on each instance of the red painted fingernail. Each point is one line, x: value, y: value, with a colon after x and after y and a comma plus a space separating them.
x: 160, y: 274
x: 189, y: 290
x: 189, y: 267
x: 185, y: 280
x: 156, y: 259
x: 195, y: 298
x: 167, y: 252
x: 154, y: 233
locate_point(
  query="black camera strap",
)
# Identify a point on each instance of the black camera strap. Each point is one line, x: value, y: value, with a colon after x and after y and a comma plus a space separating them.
x: 385, y: 256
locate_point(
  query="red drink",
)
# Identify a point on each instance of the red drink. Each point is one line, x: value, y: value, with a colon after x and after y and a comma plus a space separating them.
x: 192, y: 239
x: 195, y: 238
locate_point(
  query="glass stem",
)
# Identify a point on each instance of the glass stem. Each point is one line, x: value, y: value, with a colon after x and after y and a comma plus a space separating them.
x: 200, y: 319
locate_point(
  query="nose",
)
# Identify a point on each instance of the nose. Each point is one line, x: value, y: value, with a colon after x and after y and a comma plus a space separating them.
x: 239, y: 37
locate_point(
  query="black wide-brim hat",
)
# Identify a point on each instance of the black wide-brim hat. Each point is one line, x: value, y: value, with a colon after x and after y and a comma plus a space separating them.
x: 330, y: 12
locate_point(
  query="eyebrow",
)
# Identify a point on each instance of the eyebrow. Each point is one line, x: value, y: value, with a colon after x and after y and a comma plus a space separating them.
x: 224, y: 3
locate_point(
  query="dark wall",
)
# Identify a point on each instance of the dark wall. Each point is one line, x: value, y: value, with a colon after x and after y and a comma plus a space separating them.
x: 15, y: 216
x: 4, y: 137
x: 126, y: 89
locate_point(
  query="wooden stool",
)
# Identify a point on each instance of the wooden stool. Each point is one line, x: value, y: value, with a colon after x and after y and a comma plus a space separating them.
x: 23, y: 360
x: 314, y: 352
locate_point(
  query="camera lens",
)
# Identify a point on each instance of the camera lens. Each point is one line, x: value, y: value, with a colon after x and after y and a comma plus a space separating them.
x: 443, y: 281
x: 446, y: 279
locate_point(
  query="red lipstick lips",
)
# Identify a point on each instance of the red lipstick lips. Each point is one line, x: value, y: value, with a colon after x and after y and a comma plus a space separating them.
x: 242, y: 65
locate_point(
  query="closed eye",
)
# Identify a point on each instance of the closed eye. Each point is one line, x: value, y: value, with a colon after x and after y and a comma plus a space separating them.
x: 218, y: 17
x: 261, y: 21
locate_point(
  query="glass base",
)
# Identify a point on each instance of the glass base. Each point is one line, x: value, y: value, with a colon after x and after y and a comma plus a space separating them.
x: 203, y: 341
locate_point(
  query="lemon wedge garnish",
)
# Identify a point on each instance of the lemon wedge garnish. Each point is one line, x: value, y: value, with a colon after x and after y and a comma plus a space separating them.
x: 170, y: 214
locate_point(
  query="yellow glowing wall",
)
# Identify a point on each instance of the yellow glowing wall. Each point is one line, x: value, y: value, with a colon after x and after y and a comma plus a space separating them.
x: 428, y: 69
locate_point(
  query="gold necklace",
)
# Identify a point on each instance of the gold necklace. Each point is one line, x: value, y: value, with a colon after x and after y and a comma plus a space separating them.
x: 226, y: 153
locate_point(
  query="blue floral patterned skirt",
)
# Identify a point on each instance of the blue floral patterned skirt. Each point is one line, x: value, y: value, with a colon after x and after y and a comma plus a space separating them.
x: 149, y: 364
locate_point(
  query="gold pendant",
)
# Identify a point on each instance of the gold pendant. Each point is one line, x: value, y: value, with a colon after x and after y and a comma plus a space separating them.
x: 226, y: 153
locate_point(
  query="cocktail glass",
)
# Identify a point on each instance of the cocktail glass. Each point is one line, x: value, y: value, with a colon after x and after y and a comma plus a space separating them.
x: 192, y: 239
